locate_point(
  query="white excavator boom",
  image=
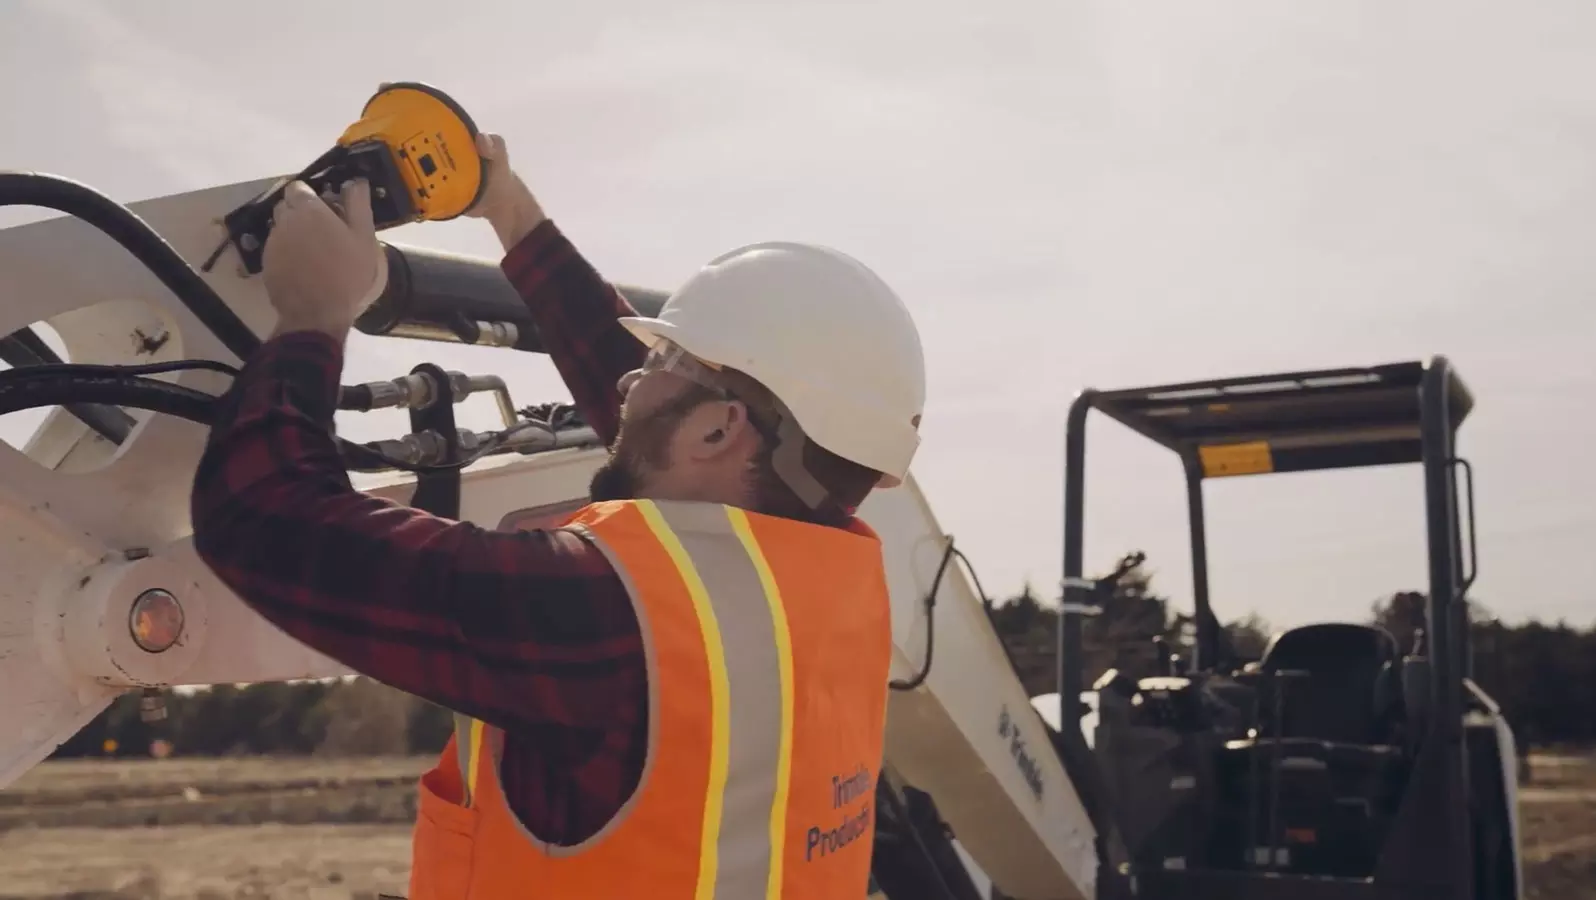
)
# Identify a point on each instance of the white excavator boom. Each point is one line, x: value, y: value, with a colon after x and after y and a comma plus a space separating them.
x: 89, y: 527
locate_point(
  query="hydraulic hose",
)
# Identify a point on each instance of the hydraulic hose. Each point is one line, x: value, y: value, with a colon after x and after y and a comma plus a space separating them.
x: 136, y: 236
x: 24, y: 348
x: 24, y: 389
x: 439, y: 296
x: 50, y: 383
x: 128, y: 386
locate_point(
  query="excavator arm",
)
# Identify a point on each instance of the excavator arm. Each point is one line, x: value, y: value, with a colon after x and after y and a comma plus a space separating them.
x: 103, y: 593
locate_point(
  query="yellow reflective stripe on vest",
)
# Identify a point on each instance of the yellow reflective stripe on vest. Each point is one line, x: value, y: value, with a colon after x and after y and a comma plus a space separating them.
x: 720, y: 562
x: 468, y: 752
x: 720, y: 728
x: 474, y: 750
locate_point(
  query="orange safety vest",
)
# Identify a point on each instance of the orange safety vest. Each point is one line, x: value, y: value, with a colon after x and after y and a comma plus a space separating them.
x: 768, y: 644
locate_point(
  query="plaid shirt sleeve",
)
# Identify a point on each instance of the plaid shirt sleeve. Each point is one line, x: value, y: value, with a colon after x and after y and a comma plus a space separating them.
x: 530, y: 631
x: 575, y: 312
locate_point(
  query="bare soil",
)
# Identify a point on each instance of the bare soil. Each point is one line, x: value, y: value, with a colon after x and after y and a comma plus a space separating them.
x: 340, y: 829
x: 1557, y: 817
x: 308, y: 829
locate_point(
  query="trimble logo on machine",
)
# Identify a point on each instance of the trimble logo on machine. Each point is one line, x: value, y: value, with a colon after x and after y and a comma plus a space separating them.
x: 1023, y: 760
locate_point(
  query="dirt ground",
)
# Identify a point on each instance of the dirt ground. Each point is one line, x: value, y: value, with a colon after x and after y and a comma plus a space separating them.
x: 340, y: 830
x: 209, y: 829
x: 1557, y: 818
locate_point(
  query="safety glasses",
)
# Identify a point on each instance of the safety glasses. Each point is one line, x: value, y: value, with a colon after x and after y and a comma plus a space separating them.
x: 668, y: 356
x: 776, y: 424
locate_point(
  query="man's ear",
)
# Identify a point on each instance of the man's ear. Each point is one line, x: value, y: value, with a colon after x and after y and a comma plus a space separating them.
x: 715, y: 429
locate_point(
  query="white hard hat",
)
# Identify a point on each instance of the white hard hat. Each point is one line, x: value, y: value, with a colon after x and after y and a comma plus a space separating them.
x: 818, y: 329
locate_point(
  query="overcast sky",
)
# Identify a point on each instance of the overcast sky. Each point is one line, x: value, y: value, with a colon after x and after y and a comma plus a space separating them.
x: 1065, y: 193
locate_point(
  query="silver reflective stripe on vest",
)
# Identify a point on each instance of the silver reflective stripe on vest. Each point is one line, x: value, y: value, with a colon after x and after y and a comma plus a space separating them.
x: 745, y: 803
x: 754, y: 695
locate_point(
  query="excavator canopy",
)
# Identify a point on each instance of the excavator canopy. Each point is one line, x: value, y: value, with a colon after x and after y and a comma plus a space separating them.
x: 1293, y: 422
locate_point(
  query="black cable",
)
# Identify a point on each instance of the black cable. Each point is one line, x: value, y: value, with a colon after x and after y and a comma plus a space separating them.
x: 930, y: 625
x: 930, y: 613
x: 24, y: 348
x: 126, y: 228
x: 968, y: 567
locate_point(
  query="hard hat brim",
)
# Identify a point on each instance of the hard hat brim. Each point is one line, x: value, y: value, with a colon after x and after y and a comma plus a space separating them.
x: 647, y: 330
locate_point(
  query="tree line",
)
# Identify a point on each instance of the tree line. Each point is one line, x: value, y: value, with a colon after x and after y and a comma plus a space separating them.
x: 1543, y: 676
x: 334, y: 717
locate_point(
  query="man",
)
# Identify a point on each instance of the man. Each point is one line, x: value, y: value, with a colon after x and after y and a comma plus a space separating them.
x: 682, y: 691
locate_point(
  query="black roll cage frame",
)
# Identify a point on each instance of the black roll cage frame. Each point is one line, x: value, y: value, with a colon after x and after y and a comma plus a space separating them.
x: 1400, y: 413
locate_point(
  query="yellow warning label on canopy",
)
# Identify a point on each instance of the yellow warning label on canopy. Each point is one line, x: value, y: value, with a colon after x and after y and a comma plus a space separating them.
x: 1251, y: 458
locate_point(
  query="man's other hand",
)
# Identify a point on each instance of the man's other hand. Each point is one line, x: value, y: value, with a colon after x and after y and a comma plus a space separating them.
x: 322, y: 264
x: 506, y: 202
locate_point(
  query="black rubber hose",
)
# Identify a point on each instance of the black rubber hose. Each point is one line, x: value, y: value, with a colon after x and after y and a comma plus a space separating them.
x: 27, y: 390
x: 22, y: 389
x: 24, y: 348
x: 136, y: 236
x: 71, y: 370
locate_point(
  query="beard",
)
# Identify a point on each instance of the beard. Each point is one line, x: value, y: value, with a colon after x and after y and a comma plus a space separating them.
x: 617, y: 479
x: 641, y: 448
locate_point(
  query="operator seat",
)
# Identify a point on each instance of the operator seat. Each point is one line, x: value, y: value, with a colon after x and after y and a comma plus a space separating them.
x: 1349, y: 687
x: 1328, y: 767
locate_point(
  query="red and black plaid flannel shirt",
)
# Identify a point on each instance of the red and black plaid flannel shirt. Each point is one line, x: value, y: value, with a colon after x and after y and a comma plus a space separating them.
x: 532, y: 632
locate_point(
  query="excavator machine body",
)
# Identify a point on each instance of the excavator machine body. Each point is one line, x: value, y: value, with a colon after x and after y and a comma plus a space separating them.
x: 1339, y: 766
x: 103, y: 592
